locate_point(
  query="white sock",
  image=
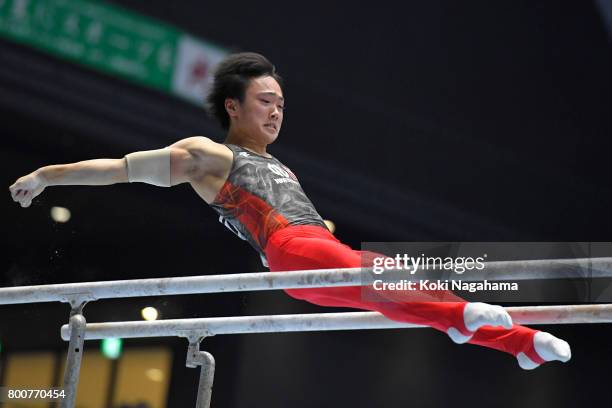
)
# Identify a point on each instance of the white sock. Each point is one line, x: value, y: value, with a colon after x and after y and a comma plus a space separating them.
x: 549, y: 348
x: 476, y: 315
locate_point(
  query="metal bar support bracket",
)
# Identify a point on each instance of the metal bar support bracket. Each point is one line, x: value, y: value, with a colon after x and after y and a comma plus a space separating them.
x: 195, y: 358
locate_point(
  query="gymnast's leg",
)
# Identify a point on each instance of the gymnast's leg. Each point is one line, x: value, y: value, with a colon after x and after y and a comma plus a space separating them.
x: 442, y: 310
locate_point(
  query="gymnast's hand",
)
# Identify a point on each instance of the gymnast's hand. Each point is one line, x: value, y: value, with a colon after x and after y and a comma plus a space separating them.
x: 27, y: 187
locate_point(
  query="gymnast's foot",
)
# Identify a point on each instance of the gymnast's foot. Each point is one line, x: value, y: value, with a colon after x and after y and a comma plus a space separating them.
x: 548, y: 348
x: 476, y: 315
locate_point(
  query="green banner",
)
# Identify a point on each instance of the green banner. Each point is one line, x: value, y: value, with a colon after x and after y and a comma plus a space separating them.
x: 113, y: 40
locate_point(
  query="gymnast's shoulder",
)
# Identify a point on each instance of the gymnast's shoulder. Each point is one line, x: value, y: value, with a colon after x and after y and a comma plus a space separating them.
x: 198, y: 157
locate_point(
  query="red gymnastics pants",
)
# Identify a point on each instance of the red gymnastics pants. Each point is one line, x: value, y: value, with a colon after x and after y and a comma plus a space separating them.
x: 306, y: 247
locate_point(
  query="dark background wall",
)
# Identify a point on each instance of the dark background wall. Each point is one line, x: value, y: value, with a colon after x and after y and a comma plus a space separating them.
x: 434, y: 120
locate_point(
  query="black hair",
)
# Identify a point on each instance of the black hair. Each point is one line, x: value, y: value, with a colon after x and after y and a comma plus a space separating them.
x: 231, y: 79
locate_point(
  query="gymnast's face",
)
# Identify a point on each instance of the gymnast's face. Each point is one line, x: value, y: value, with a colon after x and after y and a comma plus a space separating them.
x: 260, y: 115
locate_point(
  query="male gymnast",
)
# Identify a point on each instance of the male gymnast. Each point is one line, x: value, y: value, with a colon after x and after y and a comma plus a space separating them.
x: 261, y: 200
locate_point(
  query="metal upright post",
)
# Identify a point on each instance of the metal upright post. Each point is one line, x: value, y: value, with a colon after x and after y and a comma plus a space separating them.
x: 197, y: 357
x: 75, y: 354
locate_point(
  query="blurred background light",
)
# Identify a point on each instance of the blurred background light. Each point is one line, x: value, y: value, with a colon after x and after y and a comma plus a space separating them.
x: 155, y: 374
x: 111, y: 348
x: 60, y: 214
x: 149, y: 313
x: 330, y: 225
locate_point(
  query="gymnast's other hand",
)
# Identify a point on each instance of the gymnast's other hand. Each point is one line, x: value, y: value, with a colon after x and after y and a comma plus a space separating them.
x: 26, y: 188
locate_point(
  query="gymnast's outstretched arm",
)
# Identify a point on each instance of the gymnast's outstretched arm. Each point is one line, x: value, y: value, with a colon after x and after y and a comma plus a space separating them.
x: 189, y: 160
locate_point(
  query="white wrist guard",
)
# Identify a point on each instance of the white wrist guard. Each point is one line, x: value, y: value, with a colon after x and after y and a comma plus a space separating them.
x: 150, y: 166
